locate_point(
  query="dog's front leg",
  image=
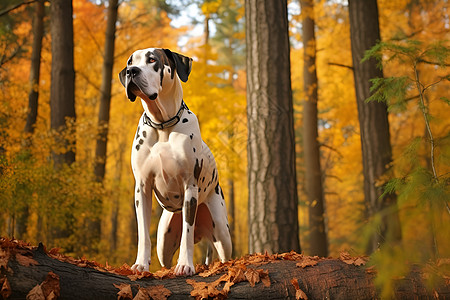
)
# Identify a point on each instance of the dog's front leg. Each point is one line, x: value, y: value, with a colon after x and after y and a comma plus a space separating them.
x: 185, y: 265
x: 143, y: 206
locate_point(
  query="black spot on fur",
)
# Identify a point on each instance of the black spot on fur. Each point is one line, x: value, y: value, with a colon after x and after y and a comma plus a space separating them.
x: 199, y: 190
x: 137, y: 203
x: 217, y: 189
x: 213, y: 224
x: 137, y: 147
x: 191, y: 136
x: 203, y: 179
x: 177, y: 196
x: 137, y: 132
x: 141, y: 141
x: 144, y: 134
x: 221, y: 194
x: 138, y: 190
x: 188, y: 230
x: 189, y: 112
x: 191, y: 208
x: 185, y: 120
x: 197, y: 169
x: 169, y: 229
x: 193, y: 149
x: 213, y: 175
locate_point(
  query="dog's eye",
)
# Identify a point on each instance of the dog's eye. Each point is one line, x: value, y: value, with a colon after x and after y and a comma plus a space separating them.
x: 150, y: 60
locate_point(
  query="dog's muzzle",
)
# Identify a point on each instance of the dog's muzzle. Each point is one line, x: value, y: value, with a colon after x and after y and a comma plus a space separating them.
x: 133, y: 89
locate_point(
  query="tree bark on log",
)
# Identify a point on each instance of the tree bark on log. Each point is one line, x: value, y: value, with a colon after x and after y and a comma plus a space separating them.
x: 25, y: 268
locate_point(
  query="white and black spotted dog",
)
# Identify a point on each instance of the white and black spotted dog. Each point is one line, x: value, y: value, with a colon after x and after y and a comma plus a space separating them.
x: 170, y: 158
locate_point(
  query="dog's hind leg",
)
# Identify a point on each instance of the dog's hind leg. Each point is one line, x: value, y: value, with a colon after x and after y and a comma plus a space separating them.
x: 168, y: 237
x: 221, y: 237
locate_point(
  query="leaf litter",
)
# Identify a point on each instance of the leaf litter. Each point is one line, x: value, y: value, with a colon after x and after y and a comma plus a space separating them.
x: 235, y: 271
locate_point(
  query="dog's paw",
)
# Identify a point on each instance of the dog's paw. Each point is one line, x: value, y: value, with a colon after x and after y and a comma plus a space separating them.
x: 141, y: 267
x: 182, y: 269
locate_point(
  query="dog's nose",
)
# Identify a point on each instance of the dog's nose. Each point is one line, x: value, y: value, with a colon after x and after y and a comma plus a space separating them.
x: 133, y: 71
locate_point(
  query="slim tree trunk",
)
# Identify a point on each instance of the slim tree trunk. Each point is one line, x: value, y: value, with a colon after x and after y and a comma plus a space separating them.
x: 273, y: 200
x: 373, y: 120
x: 62, y: 90
x: 38, y: 33
x: 105, y: 91
x: 313, y: 174
x: 33, y: 95
x: 103, y: 113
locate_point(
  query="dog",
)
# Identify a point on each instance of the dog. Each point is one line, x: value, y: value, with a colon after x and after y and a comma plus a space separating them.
x: 170, y: 159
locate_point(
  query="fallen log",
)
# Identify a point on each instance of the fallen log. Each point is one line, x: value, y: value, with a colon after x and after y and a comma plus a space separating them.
x: 35, y: 273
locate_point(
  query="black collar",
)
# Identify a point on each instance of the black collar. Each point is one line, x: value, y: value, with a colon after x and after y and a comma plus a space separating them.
x: 169, y: 123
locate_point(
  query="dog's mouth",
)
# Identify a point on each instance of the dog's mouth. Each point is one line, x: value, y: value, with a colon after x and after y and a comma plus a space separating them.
x: 133, y: 90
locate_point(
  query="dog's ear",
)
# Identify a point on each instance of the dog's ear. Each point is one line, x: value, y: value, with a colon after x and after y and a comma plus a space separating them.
x: 122, y: 76
x: 183, y: 64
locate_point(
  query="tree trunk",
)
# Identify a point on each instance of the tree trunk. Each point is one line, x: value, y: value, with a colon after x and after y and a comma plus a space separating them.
x: 26, y: 267
x: 313, y: 174
x: 374, y: 125
x: 38, y: 33
x: 273, y: 200
x: 105, y: 91
x: 103, y: 114
x: 62, y: 90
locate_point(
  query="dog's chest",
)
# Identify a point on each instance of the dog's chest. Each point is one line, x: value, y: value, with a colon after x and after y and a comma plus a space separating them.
x: 169, y: 164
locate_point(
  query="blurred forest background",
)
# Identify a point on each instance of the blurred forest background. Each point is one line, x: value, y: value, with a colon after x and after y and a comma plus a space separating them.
x: 65, y: 169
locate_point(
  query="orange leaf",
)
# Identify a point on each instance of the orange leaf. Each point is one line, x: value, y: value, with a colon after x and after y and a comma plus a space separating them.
x: 51, y: 286
x: 6, y: 289
x: 306, y: 262
x: 264, y: 275
x: 4, y: 257
x: 252, y: 276
x: 142, y: 294
x: 299, y: 294
x: 158, y: 292
x: 36, y: 293
x: 25, y: 260
x: 124, y: 291
x: 164, y: 273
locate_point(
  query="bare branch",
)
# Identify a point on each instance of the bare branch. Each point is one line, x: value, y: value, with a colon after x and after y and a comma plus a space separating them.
x: 13, y: 7
x: 340, y: 65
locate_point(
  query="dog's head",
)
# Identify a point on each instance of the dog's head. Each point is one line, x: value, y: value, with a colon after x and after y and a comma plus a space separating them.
x: 148, y: 70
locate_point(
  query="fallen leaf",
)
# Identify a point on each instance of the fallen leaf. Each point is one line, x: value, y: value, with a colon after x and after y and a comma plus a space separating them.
x: 124, y: 291
x: 6, y: 289
x: 51, y: 285
x: 164, y: 273
x: 203, y: 290
x: 213, y: 269
x: 265, y: 279
x: 306, y: 262
x: 359, y: 261
x: 25, y: 260
x: 252, y: 276
x: 54, y: 251
x: 142, y: 294
x: 36, y: 293
x: 299, y: 294
x: 4, y: 257
x: 158, y: 292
